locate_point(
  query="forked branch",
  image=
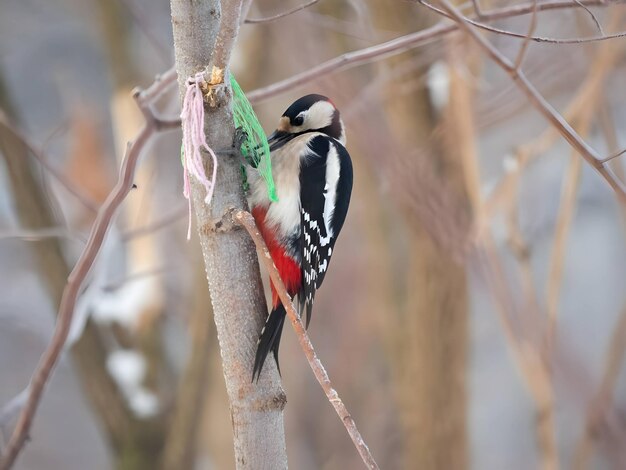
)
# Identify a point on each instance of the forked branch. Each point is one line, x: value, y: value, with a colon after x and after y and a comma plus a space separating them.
x: 51, y: 356
x: 413, y: 40
x: 539, y: 102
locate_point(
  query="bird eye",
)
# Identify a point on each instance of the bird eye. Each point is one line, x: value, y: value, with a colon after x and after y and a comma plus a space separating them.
x: 298, y: 121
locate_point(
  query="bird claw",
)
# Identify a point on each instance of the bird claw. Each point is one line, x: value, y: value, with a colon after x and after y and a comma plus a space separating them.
x: 239, y: 138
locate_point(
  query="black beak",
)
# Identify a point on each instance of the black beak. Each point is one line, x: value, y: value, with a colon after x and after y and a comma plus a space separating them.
x: 278, y: 139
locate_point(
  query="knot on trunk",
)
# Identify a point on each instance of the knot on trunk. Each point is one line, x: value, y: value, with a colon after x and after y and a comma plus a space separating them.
x: 275, y: 402
x: 223, y: 224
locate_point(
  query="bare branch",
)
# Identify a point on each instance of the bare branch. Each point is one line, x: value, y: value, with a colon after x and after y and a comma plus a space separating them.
x: 528, y: 36
x: 142, y: 20
x: 119, y: 283
x: 168, y: 219
x: 547, y: 40
x: 401, y: 44
x: 280, y: 15
x: 78, y: 275
x: 593, y: 17
x: 83, y: 198
x: 532, y: 364
x: 618, y: 154
x: 540, y: 103
x: 604, y: 397
x: 247, y: 221
x: 587, y: 94
x: 566, y: 213
x: 531, y: 29
x: 477, y: 9
x: 41, y: 234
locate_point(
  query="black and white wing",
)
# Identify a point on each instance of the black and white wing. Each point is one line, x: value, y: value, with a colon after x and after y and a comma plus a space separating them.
x: 325, y: 188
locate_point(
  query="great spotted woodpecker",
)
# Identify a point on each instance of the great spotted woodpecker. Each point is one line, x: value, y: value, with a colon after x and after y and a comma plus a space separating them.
x: 312, y: 172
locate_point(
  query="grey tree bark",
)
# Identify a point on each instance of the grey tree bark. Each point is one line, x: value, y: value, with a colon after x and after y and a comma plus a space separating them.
x: 204, y: 34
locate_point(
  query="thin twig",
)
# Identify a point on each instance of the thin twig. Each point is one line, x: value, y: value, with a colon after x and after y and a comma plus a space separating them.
x: 142, y: 20
x: 585, y: 97
x: 280, y: 15
x: 532, y: 364
x: 247, y: 221
x: 593, y: 17
x: 548, y: 40
x: 119, y: 283
x: 477, y: 9
x: 531, y: 29
x: 601, y: 408
x: 618, y: 154
x: 41, y: 234
x: 540, y: 103
x: 522, y: 253
x: 528, y: 37
x: 401, y: 44
x: 152, y: 227
x: 83, y: 198
x: 566, y: 214
x: 567, y: 209
x: 78, y: 275
x: 604, y: 396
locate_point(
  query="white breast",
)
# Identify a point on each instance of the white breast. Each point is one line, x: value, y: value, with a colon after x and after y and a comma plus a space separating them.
x: 285, y: 213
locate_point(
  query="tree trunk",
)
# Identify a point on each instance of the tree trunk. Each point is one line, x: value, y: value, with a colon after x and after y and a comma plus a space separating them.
x: 428, y: 338
x: 231, y: 263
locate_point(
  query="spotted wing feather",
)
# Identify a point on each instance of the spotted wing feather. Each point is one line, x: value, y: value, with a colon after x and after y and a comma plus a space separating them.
x: 325, y: 188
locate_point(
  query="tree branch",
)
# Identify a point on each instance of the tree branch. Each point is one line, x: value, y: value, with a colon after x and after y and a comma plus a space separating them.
x: 401, y: 44
x: 247, y: 221
x: 540, y: 103
x: 78, y: 275
x: 80, y: 196
x: 528, y: 36
x: 280, y: 15
x: 41, y: 234
x: 531, y: 29
x: 604, y: 397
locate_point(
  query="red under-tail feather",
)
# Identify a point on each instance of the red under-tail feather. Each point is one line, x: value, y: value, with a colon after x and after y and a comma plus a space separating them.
x: 289, y: 270
x: 291, y: 275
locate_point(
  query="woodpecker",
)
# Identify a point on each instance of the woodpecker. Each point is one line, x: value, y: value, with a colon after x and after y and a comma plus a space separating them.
x: 312, y: 172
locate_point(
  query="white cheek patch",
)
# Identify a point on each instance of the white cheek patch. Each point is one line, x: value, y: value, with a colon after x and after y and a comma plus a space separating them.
x: 319, y: 115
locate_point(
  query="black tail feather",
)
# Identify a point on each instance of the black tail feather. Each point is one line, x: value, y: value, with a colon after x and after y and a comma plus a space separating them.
x: 278, y: 336
x: 305, y: 306
x: 269, y: 339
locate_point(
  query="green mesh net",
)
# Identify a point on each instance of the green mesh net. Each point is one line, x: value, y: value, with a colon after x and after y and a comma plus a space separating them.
x: 255, y: 148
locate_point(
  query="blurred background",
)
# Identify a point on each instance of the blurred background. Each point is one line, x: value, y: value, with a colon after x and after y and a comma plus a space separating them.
x: 474, y: 316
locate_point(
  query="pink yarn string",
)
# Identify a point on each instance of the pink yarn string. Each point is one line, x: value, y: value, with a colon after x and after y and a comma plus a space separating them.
x: 194, y: 140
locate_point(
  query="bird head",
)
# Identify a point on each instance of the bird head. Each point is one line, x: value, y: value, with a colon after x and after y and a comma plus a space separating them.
x: 311, y: 113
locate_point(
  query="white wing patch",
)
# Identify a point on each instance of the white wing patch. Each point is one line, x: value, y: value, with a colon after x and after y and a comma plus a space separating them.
x: 330, y: 191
